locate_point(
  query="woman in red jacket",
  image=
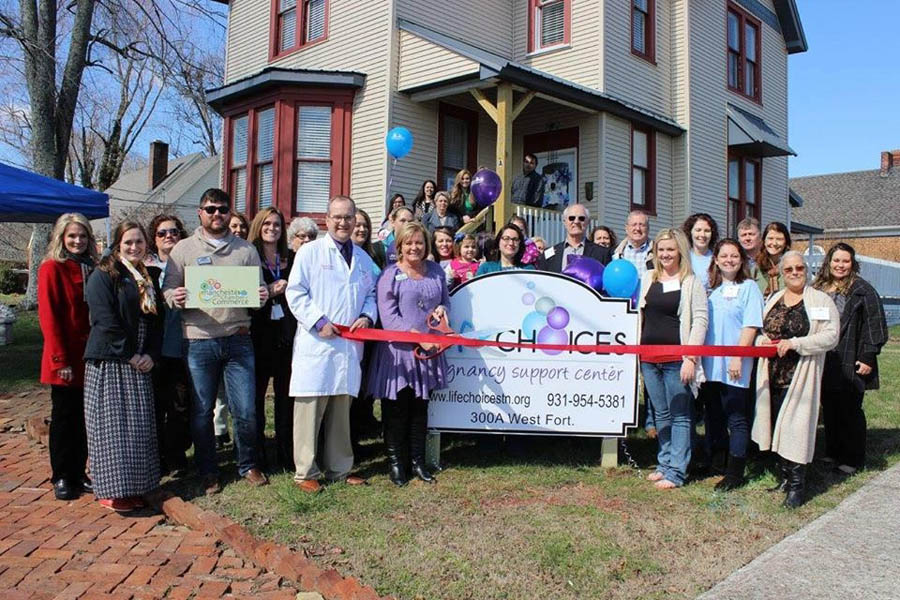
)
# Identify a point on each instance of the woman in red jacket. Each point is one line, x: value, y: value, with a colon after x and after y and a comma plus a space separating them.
x: 63, y: 314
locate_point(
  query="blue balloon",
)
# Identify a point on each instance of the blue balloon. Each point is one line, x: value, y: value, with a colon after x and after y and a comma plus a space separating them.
x: 620, y: 278
x: 399, y: 141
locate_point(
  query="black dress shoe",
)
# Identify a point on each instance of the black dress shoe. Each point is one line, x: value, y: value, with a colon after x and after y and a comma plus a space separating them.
x: 64, y: 491
x: 86, y: 485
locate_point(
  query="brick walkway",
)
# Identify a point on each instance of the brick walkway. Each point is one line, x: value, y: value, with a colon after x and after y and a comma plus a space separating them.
x: 68, y: 550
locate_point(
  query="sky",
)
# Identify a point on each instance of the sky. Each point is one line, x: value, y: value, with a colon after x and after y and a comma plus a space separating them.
x: 844, y: 92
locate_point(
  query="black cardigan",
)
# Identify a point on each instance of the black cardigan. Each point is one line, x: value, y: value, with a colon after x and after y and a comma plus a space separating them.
x: 269, y: 335
x: 115, y: 313
x: 863, y: 333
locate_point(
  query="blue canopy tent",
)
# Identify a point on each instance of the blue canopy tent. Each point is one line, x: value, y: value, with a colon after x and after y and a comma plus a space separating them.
x: 27, y: 197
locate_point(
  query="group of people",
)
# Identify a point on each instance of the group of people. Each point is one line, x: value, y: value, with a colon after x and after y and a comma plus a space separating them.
x: 136, y: 374
x: 699, y: 289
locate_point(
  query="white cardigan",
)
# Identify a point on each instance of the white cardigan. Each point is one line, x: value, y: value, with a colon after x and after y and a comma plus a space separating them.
x: 794, y: 436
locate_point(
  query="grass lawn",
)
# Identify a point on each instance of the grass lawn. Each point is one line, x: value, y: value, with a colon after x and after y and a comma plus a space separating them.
x: 551, y: 523
x: 20, y: 362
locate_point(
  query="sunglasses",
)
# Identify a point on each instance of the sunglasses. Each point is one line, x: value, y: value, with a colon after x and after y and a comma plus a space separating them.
x: 212, y: 209
x: 797, y: 269
x: 579, y: 218
x: 164, y: 232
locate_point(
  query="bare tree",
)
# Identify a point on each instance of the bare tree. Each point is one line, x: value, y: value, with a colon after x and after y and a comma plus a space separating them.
x: 52, y: 103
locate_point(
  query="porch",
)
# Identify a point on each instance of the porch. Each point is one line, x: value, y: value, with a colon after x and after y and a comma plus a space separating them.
x: 492, y: 111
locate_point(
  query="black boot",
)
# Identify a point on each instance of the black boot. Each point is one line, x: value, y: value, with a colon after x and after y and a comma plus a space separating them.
x: 796, y: 485
x: 734, y: 474
x: 718, y: 462
x: 418, y: 428
x: 781, y: 476
x: 393, y: 442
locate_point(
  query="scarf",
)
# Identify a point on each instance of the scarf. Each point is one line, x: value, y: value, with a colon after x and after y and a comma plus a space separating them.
x: 144, y: 285
x: 87, y: 267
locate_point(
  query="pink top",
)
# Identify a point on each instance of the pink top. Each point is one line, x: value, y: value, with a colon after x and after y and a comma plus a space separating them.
x: 462, y: 271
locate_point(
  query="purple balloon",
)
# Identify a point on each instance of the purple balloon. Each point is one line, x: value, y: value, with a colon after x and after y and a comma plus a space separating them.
x: 586, y: 270
x: 548, y: 335
x: 558, y: 318
x: 486, y: 186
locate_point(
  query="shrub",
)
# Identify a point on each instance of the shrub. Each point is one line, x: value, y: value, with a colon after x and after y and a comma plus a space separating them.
x: 9, y: 282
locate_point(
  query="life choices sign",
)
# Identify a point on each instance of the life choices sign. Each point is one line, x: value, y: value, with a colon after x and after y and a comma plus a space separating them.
x: 523, y: 390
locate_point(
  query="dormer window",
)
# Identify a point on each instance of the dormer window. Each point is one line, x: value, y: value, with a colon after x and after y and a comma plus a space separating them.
x: 298, y: 23
x: 550, y: 24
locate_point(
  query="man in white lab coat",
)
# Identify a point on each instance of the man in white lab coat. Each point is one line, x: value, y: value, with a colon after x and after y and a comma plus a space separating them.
x: 332, y: 282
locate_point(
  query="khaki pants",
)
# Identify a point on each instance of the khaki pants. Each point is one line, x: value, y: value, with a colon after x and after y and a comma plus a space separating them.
x: 309, y: 414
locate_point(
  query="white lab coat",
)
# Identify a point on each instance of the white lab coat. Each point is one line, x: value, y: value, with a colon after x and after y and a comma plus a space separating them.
x: 321, y: 285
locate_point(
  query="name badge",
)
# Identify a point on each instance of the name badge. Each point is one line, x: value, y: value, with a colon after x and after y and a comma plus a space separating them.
x: 401, y: 277
x: 818, y: 313
x: 550, y: 252
x: 672, y: 285
x: 277, y: 312
x: 730, y: 291
x: 204, y: 260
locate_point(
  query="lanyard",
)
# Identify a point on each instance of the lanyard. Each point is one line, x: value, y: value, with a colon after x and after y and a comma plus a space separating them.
x: 276, y: 273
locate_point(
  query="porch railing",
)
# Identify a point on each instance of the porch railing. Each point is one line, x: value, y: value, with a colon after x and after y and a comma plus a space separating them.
x: 544, y: 223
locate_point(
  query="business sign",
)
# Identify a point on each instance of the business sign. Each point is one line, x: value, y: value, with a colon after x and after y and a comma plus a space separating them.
x: 222, y: 287
x: 526, y: 390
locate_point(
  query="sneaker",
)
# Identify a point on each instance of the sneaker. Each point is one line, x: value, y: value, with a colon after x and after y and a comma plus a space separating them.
x: 116, y: 504
x: 222, y: 440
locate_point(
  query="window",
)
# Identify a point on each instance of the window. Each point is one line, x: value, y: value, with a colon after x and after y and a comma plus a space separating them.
x: 549, y: 24
x: 290, y: 149
x: 744, y: 190
x: 457, y: 143
x: 238, y: 172
x: 643, y: 169
x: 265, y: 152
x: 298, y: 23
x: 643, y: 29
x: 743, y: 54
x: 313, y: 159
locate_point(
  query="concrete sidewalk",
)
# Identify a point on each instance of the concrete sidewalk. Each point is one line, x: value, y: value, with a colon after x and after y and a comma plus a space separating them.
x: 852, y: 551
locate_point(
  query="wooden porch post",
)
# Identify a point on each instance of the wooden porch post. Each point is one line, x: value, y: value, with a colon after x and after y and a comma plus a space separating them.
x: 503, y: 206
x: 503, y: 114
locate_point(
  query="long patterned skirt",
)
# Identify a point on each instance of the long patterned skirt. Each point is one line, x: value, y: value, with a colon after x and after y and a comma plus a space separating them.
x: 121, y: 427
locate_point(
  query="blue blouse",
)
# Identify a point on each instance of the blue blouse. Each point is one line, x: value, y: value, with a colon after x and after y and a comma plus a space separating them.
x: 700, y: 266
x: 732, y: 306
x: 493, y: 266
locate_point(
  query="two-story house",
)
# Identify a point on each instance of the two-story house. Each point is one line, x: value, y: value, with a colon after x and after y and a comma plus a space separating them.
x: 671, y: 106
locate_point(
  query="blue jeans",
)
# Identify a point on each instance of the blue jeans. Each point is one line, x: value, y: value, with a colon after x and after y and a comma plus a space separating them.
x: 208, y: 360
x: 728, y: 406
x: 671, y: 401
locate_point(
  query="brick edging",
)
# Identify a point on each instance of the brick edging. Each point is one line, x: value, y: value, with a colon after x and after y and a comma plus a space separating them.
x: 272, y: 557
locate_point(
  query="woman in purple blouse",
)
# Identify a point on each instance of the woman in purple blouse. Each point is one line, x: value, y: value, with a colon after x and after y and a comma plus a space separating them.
x: 409, y: 292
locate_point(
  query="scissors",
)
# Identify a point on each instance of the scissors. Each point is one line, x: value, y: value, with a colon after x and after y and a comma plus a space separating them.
x: 443, y: 327
x: 434, y: 326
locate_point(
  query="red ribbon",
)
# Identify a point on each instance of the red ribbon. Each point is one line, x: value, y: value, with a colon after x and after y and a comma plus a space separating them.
x: 648, y: 353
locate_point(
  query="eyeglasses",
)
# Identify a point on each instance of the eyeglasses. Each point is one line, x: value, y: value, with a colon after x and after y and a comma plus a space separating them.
x: 579, y: 218
x: 342, y: 217
x: 507, y: 238
x: 797, y: 269
x: 164, y: 232
x: 221, y: 208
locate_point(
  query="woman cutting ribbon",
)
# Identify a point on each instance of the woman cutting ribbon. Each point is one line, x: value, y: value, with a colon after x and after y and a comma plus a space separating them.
x: 411, y: 292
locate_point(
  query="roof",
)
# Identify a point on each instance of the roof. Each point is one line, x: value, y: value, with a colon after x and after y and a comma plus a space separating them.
x: 854, y: 200
x: 791, y: 27
x: 183, y: 172
x: 276, y: 76
x: 494, y: 66
x: 751, y: 134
